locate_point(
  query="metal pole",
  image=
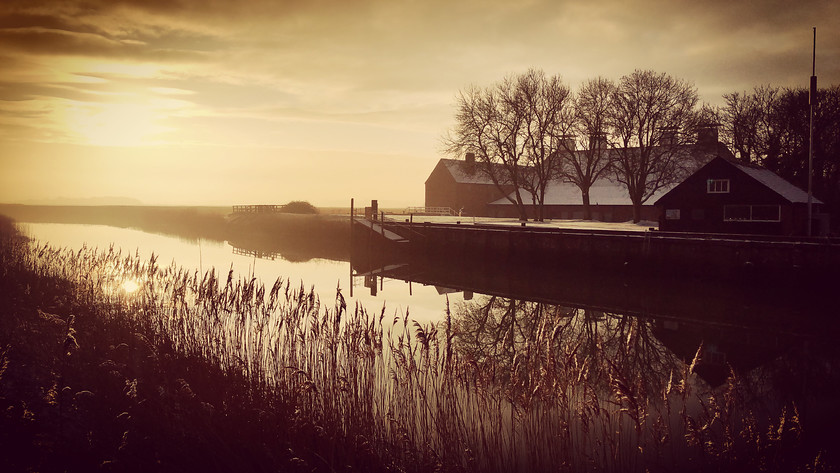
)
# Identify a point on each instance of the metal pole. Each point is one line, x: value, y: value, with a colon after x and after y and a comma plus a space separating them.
x: 812, y: 99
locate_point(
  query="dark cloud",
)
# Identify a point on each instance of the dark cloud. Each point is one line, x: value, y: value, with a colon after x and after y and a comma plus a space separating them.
x: 60, y: 42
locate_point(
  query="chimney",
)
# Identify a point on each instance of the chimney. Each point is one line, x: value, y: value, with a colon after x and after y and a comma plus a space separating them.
x: 569, y: 143
x: 469, y: 163
x: 707, y: 135
x: 598, y: 141
x: 669, y: 136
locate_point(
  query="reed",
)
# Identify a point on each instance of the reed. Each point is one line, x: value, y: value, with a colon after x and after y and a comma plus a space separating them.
x: 212, y: 371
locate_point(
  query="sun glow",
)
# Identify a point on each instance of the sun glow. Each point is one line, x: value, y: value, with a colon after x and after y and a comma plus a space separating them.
x: 117, y: 124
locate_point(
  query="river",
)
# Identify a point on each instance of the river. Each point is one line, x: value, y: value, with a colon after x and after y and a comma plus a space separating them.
x: 779, y: 345
x: 424, y: 303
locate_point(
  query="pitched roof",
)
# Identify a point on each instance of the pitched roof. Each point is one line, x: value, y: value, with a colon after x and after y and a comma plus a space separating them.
x: 465, y: 173
x: 766, y: 177
x: 602, y: 192
x: 771, y: 180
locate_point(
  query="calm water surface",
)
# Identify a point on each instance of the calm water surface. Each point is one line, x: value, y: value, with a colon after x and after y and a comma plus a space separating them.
x: 423, y: 303
x: 783, y: 351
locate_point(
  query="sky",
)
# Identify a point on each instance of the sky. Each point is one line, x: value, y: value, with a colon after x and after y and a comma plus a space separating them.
x: 213, y: 102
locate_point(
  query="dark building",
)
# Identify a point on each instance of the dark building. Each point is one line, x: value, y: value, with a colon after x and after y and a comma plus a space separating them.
x: 729, y: 197
x: 461, y: 186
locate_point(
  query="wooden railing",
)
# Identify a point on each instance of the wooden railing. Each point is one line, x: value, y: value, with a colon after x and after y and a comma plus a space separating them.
x: 431, y: 211
x: 270, y: 255
x: 254, y: 209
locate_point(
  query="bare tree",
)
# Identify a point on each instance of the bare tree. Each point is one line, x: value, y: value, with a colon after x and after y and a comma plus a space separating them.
x: 549, y: 117
x: 514, y: 129
x: 490, y: 124
x: 588, y: 156
x: 748, y: 126
x: 651, y: 115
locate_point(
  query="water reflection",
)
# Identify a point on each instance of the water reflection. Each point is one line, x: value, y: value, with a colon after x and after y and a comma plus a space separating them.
x: 130, y: 286
x: 201, y: 255
x: 268, y: 255
x: 760, y: 350
x: 532, y: 370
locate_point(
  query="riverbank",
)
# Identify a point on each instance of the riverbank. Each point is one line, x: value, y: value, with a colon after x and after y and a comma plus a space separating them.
x: 185, y: 372
x: 88, y: 383
x: 293, y: 237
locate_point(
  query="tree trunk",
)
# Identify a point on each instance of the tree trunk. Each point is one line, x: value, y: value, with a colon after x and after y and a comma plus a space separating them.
x: 637, y: 210
x: 520, y: 206
x: 587, y: 212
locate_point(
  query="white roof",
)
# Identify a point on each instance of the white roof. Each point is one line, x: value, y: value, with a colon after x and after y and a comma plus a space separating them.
x: 464, y: 173
x: 782, y: 187
x: 602, y: 192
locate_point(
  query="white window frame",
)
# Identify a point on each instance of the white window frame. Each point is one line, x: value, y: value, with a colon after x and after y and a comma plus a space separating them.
x: 751, y: 219
x: 712, y: 188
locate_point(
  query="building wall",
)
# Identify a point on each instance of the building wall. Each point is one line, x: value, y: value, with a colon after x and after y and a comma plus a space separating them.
x: 468, y: 198
x: 602, y: 213
x: 440, y: 187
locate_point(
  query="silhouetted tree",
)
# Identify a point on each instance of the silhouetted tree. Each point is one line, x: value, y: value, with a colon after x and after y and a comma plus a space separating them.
x: 651, y: 117
x: 514, y: 128
x: 549, y: 118
x: 748, y: 126
x: 589, y: 157
x: 770, y: 126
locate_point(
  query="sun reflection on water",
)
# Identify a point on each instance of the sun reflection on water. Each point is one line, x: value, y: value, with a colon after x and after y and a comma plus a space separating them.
x: 129, y: 286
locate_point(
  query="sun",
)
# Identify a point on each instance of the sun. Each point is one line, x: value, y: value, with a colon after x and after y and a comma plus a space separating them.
x: 113, y: 124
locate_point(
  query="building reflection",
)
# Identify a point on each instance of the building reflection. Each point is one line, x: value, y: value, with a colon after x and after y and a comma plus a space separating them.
x: 645, y: 329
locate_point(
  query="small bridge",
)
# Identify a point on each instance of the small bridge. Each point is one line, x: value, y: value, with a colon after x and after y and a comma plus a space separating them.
x: 377, y: 228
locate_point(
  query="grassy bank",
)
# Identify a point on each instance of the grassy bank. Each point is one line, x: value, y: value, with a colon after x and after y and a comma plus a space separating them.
x: 196, y: 372
x: 292, y: 236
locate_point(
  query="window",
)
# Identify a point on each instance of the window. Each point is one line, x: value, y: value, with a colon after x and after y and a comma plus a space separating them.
x: 717, y: 186
x: 698, y: 214
x: 766, y: 213
x: 752, y: 213
x: 735, y: 213
x: 672, y: 214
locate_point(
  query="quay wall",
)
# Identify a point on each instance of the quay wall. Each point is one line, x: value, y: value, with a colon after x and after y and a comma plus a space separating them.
x: 706, y: 254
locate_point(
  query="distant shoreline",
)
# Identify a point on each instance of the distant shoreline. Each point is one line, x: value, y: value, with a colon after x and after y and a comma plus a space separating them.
x: 295, y: 237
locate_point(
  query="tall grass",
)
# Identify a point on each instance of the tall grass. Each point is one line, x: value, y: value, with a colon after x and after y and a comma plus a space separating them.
x: 498, y: 385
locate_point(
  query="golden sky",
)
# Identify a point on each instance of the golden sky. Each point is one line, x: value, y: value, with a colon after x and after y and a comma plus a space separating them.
x: 213, y: 102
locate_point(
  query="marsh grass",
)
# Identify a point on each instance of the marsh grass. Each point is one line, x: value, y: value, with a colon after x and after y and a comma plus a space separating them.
x: 216, y: 373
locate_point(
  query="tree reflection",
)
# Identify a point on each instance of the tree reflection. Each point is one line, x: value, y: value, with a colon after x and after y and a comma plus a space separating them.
x: 514, y: 342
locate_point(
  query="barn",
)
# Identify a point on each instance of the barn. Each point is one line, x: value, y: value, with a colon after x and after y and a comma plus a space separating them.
x: 462, y: 187
x: 726, y: 196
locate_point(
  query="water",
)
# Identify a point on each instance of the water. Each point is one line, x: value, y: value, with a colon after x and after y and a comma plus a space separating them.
x: 779, y: 344
x: 423, y: 303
